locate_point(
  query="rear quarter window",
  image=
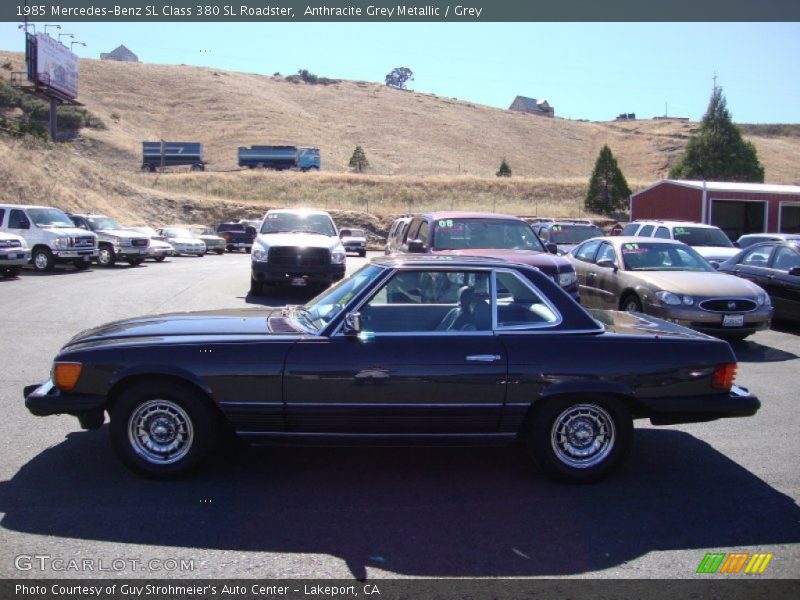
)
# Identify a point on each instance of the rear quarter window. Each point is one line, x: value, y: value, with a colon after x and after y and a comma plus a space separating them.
x: 646, y: 231
x: 630, y: 229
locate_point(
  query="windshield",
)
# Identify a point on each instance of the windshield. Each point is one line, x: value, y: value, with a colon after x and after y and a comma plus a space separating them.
x: 102, y: 223
x: 178, y: 233
x: 351, y: 233
x: 324, y: 308
x: 461, y: 234
x: 573, y: 234
x: 279, y: 222
x: 702, y: 236
x: 662, y: 257
x: 203, y: 230
x: 49, y: 217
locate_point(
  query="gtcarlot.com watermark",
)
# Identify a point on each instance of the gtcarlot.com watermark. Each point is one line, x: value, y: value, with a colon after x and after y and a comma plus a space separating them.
x: 48, y: 562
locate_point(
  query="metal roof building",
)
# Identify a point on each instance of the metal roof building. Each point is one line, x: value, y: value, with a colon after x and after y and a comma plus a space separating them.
x: 736, y: 208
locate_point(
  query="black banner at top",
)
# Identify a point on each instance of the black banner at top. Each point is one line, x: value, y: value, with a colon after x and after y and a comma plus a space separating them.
x: 399, y: 10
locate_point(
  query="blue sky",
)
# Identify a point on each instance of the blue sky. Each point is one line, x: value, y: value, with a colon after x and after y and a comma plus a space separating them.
x: 586, y: 70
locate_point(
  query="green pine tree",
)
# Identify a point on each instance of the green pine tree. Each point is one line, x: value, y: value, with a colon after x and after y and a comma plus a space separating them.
x: 718, y: 152
x: 608, y: 190
x: 505, y: 170
x: 359, y: 160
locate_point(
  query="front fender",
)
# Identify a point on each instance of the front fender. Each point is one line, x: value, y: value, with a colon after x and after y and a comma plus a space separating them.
x: 156, y: 370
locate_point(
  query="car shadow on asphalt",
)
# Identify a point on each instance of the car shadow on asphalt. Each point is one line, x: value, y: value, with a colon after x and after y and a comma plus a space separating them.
x: 419, y: 512
x: 749, y: 351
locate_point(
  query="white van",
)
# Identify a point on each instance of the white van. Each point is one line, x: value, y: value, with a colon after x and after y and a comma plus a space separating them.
x: 50, y: 235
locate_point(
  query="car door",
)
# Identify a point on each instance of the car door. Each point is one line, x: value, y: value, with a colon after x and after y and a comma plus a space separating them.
x: 411, y: 370
x: 782, y: 287
x: 754, y: 265
x: 606, y: 280
x: 586, y: 271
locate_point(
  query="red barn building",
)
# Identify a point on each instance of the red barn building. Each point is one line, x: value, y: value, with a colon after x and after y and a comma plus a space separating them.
x: 736, y: 208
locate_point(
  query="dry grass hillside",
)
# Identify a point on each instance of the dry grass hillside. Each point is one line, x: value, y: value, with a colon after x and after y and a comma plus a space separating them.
x: 425, y: 151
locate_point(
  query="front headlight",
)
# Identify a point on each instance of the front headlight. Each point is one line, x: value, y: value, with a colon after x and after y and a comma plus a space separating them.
x: 259, y: 254
x: 61, y: 243
x: 567, y: 279
x: 674, y: 299
x: 338, y: 256
x: 763, y: 300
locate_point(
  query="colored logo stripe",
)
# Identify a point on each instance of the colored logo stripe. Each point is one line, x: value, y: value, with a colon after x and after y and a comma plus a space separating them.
x: 758, y: 563
x: 720, y: 562
x: 711, y: 562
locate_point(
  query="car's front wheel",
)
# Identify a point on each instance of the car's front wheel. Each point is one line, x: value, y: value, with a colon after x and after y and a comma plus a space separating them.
x: 162, y: 429
x: 9, y: 272
x: 631, y: 303
x: 580, y: 439
x: 106, y: 256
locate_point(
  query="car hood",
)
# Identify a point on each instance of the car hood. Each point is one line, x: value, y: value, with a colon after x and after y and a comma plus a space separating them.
x: 546, y: 262
x: 697, y: 283
x: 206, y: 237
x: 308, y: 240
x: 194, y: 325
x: 641, y: 325
x: 122, y: 234
x: 182, y: 240
x: 718, y: 253
x: 353, y: 238
x: 70, y: 231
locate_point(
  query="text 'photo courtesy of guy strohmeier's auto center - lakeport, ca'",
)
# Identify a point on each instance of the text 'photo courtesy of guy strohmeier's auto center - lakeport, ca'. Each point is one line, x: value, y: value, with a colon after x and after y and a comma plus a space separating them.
x: 456, y: 301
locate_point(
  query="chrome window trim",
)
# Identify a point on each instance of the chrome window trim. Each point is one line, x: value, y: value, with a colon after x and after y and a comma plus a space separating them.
x: 396, y: 405
x: 545, y: 300
x: 337, y: 332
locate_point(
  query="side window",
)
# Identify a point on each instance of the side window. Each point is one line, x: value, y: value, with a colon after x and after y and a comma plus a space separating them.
x: 423, y: 233
x: 2, y: 215
x: 606, y: 253
x: 663, y: 233
x: 544, y: 233
x: 519, y: 306
x: 630, y: 229
x: 430, y: 301
x: 587, y: 251
x: 786, y: 258
x: 646, y: 231
x: 757, y: 257
x: 17, y: 219
x: 413, y: 228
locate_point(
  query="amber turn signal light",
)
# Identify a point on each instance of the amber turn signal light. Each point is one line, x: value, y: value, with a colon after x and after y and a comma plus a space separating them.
x: 65, y: 375
x: 724, y: 376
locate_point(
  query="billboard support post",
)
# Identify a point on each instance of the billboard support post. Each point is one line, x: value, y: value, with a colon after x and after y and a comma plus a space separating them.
x: 53, y: 120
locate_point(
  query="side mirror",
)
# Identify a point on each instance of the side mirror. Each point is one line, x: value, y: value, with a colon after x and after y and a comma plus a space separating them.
x: 714, y: 263
x: 551, y: 247
x: 607, y: 263
x: 795, y: 271
x: 736, y: 245
x: 415, y: 246
x: 352, y: 324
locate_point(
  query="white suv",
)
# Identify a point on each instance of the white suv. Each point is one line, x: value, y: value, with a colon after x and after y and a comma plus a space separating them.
x: 50, y: 235
x: 709, y: 241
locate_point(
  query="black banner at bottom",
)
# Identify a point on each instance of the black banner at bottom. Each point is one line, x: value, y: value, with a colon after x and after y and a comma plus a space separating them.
x: 397, y: 589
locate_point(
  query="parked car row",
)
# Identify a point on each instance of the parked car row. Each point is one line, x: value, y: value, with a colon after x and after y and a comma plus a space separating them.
x: 44, y: 237
x: 669, y: 269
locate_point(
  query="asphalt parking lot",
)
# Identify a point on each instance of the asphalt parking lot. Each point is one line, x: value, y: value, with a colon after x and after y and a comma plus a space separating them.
x: 725, y: 486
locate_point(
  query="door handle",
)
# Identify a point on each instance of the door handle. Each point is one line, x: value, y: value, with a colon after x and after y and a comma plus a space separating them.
x: 483, y: 357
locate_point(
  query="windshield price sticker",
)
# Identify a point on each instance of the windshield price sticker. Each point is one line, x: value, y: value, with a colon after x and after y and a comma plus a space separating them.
x: 681, y: 231
x: 633, y: 249
x: 445, y: 223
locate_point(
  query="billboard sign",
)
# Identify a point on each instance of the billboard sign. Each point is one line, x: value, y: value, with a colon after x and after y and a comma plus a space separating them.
x: 56, y: 66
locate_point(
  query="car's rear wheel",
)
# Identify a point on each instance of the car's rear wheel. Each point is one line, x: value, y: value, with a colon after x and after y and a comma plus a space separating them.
x: 160, y: 258
x: 219, y: 251
x: 81, y: 264
x: 162, y: 429
x: 580, y: 439
x: 631, y: 303
x: 135, y: 262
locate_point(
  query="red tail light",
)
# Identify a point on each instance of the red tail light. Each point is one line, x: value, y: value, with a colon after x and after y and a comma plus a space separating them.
x: 724, y: 376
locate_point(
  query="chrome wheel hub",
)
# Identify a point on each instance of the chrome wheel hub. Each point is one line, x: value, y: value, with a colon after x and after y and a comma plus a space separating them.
x: 583, y: 435
x: 160, y: 431
x: 41, y: 261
